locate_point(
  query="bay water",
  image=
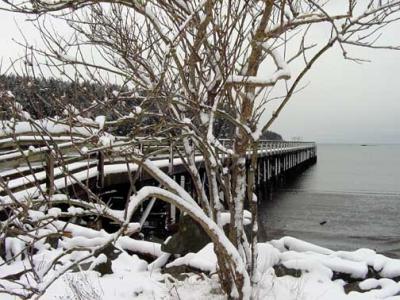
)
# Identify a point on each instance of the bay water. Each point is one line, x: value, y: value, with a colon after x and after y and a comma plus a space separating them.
x: 349, y: 199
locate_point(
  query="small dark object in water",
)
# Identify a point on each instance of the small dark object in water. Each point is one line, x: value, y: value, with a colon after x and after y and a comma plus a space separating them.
x: 322, y: 223
x: 364, y: 145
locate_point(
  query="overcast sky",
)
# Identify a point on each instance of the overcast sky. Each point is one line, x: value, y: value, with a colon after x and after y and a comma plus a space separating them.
x: 344, y: 102
x: 347, y: 102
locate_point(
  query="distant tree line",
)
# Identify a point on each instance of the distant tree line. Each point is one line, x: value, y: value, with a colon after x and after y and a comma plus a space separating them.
x: 44, y: 97
x: 271, y: 135
x: 49, y: 97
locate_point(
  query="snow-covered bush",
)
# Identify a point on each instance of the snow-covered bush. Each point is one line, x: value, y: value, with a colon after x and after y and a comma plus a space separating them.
x: 190, y: 67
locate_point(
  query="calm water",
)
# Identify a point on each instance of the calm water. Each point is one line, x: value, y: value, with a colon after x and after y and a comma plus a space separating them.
x: 354, y: 189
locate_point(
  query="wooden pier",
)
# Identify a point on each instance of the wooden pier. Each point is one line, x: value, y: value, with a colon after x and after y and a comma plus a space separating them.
x: 38, y: 169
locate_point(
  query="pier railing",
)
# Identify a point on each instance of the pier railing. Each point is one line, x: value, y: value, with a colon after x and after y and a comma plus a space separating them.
x: 68, y: 147
x: 67, y: 151
x: 25, y: 168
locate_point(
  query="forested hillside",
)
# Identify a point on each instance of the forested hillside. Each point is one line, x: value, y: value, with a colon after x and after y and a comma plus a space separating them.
x: 43, y: 97
x: 49, y: 97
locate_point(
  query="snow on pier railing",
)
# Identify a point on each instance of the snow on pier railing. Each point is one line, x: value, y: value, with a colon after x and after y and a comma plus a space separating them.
x: 50, y: 164
x: 17, y: 152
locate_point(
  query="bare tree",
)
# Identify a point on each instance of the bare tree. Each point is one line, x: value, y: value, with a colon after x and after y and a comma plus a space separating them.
x: 190, y: 65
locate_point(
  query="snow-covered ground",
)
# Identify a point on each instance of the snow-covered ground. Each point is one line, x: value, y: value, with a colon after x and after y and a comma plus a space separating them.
x: 134, y: 278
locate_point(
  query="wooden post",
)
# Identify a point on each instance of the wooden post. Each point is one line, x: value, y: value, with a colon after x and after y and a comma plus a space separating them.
x: 283, y: 158
x: 100, y: 169
x: 279, y: 165
x: 265, y: 170
x: 182, y: 181
x: 49, y: 173
x: 173, y: 207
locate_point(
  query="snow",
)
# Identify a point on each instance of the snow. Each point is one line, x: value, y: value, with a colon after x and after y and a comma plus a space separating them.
x: 137, y: 110
x: 75, y: 210
x: 141, y: 246
x: 134, y: 278
x: 226, y: 218
x: 101, y: 259
x: 100, y: 120
x: 159, y: 262
x: 54, y: 212
x: 13, y: 246
x: 70, y: 109
x: 204, y: 260
x: 318, y: 265
x: 10, y: 94
x: 290, y: 243
x: 387, y: 267
x: 186, y: 121
x: 40, y: 126
x: 282, y: 73
x: 35, y: 215
x: 20, y: 109
x: 84, y: 150
x: 187, y: 205
x: 106, y: 139
x: 381, y: 288
x: 130, y: 284
x: 268, y: 256
x: 370, y: 283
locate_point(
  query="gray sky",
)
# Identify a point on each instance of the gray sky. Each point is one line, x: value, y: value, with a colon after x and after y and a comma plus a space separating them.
x: 347, y: 102
x: 344, y: 101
